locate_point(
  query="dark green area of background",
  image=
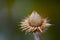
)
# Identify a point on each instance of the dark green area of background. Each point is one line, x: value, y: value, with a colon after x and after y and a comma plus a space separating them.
x: 13, y: 11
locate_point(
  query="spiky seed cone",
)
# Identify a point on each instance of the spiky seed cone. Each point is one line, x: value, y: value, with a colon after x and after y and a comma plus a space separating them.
x: 35, y: 23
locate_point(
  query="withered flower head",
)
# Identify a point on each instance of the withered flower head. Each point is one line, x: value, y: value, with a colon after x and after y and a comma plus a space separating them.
x: 34, y: 23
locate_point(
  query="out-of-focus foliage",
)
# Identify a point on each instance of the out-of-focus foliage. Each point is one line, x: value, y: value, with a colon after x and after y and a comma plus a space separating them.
x: 13, y: 11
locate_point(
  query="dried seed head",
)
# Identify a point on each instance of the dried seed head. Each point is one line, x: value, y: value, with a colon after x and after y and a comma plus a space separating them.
x: 34, y: 19
x: 34, y: 23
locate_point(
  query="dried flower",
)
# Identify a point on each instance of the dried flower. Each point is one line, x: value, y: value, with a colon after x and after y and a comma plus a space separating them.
x: 34, y: 23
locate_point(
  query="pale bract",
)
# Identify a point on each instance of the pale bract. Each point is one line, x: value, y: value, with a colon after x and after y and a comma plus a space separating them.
x: 34, y: 23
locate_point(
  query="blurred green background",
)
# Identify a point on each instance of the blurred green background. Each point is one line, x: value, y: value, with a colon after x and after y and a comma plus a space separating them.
x: 13, y: 11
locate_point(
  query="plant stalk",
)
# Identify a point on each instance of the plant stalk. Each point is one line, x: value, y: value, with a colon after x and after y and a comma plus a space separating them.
x: 37, y: 36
